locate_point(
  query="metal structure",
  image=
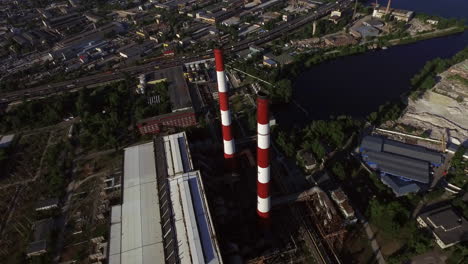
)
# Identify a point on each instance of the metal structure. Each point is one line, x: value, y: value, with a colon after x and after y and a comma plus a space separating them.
x: 263, y: 157
x: 228, y: 140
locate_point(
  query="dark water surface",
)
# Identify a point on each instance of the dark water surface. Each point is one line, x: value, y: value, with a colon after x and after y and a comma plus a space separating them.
x: 357, y: 85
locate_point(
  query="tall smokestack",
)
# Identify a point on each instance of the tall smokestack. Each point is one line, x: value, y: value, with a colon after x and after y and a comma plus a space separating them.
x: 388, y: 7
x: 229, y: 146
x: 263, y: 156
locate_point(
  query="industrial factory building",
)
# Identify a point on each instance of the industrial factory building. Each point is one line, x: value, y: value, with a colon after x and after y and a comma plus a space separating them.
x: 164, y: 217
x: 155, y: 124
x: 183, y: 113
x: 404, y: 168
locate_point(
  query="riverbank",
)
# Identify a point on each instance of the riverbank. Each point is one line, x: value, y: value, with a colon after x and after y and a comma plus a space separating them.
x: 429, y: 35
x: 369, y: 46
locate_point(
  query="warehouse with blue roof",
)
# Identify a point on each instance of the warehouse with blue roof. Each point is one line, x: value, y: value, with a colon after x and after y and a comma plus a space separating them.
x: 404, y: 168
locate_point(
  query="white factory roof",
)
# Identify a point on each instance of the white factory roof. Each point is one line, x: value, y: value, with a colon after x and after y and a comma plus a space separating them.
x: 177, y: 154
x: 150, y: 170
x: 192, y: 220
x: 141, y: 234
x: 115, y: 234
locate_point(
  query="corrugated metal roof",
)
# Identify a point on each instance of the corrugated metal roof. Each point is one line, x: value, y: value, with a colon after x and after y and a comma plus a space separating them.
x: 193, y: 221
x: 412, y: 151
x: 409, y: 168
x: 165, y: 216
x: 141, y: 231
x: 398, y: 188
x: 372, y: 143
x: 177, y: 154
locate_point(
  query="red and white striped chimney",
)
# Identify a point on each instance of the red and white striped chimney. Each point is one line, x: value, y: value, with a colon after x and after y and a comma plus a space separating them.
x: 228, y: 140
x: 263, y: 156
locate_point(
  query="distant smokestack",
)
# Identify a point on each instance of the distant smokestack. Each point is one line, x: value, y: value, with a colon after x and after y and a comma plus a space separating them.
x: 229, y: 146
x: 388, y: 7
x: 263, y: 156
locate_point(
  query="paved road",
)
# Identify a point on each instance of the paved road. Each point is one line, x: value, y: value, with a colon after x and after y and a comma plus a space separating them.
x: 371, y: 236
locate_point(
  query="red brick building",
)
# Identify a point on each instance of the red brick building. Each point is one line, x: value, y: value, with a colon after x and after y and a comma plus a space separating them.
x: 155, y: 124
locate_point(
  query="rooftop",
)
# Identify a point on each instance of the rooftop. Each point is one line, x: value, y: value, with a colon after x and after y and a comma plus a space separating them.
x: 401, y: 166
x: 178, y: 89
x: 447, y: 224
x: 398, y: 186
x: 165, y: 116
x: 372, y: 143
x: 417, y: 152
x: 164, y: 217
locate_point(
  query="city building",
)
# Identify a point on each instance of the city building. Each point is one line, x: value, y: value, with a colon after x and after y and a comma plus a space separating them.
x: 177, y: 86
x: 397, y: 14
x: 364, y: 32
x: 134, y: 50
x: 335, y: 16
x: 373, y: 23
x: 341, y: 199
x: 283, y: 59
x: 340, y: 39
x: 404, y: 168
x: 183, y: 113
x: 83, y: 39
x: 447, y: 226
x: 6, y: 141
x: 164, y: 217
x: 270, y: 63
x: 179, y: 119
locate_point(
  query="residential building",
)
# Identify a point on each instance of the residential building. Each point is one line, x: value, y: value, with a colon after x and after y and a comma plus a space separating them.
x: 164, y: 217
x: 447, y: 225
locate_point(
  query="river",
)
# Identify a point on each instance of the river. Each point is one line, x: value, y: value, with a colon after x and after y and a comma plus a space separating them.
x: 357, y: 85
